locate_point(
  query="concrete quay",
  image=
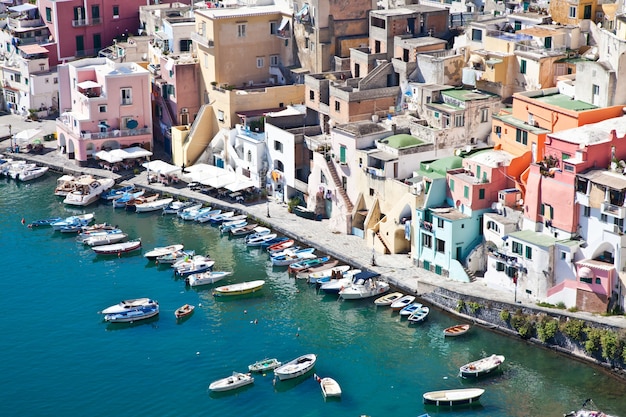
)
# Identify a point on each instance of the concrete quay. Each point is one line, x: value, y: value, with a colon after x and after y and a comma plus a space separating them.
x: 398, y: 270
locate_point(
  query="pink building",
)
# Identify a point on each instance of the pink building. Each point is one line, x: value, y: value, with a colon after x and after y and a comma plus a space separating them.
x: 81, y: 28
x: 104, y: 105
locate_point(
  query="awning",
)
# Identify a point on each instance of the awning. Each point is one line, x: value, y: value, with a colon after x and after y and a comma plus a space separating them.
x: 26, y: 134
x: 303, y: 11
x: 493, y: 61
x: 241, y: 184
x: 108, y: 156
x: 22, y: 7
x: 136, y: 152
x: 161, y: 167
x: 365, y: 275
x: 88, y: 84
x: 284, y: 24
x: 32, y: 49
x: 221, y: 180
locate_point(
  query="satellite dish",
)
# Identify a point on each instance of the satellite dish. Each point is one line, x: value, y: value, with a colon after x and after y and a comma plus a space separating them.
x: 494, y: 206
x: 457, y: 152
x: 132, y: 124
x: 468, y: 148
x: 520, y: 202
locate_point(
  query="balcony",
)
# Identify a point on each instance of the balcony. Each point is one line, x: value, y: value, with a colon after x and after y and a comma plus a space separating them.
x: 77, y: 23
x: 613, y: 210
x: 202, y: 40
x: 65, y: 123
x: 375, y: 172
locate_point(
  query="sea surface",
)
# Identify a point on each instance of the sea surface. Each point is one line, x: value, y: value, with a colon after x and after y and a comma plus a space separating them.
x: 59, y: 358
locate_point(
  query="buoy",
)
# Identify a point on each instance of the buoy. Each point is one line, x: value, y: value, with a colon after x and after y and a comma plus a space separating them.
x: 23, y: 221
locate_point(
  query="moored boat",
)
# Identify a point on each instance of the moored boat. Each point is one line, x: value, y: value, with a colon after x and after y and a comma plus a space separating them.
x: 80, y: 220
x: 128, y: 305
x: 236, y: 380
x: 290, y: 256
x: 118, y: 192
x: 280, y: 246
x: 163, y: 250
x: 452, y: 397
x: 410, y: 309
x: 175, y: 206
x: 402, y: 302
x: 141, y: 313
x: 172, y: 258
x: 330, y: 387
x: 45, y: 222
x: 264, y: 365
x: 65, y: 184
x: 132, y: 204
x: 118, y: 248
x: 31, y: 173
x: 206, y: 216
x: 456, y: 330
x: 588, y: 409
x: 239, y: 289
x: 308, y: 263
x: 105, y: 239
x: 387, y: 299
x: 481, y: 367
x: 221, y: 217
x: 364, y: 285
x: 259, y: 240
x: 226, y: 226
x: 87, y: 191
x: 296, y: 367
x: 243, y: 230
x: 206, y: 278
x: 156, y: 205
x: 195, y: 266
x: 333, y: 272
x: 120, y: 202
x: 419, y: 315
x: 184, y: 311
x: 304, y: 273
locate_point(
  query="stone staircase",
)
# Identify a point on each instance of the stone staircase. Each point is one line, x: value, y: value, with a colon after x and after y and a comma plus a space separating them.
x: 471, y: 275
x: 339, y: 186
x: 383, y: 242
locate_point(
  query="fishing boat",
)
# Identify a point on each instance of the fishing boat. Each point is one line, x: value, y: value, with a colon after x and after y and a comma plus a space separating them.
x: 31, y: 173
x: 132, y: 204
x: 290, y: 256
x: 267, y: 243
x: 127, y: 197
x: 481, y: 367
x: 259, y: 240
x: 333, y: 286
x: 258, y: 232
x: 308, y: 263
x: 234, y: 223
x: 419, y: 315
x: 190, y: 212
x: 206, y: 217
x: 236, y: 380
x: 175, y: 206
x: 588, y: 409
x: 206, y: 278
x: 172, y: 258
x: 452, y: 397
x: 456, y: 330
x: 156, y: 205
x: 184, y: 311
x: 141, y: 313
x: 243, y: 230
x: 80, y: 219
x: 330, y: 387
x: 364, y: 285
x: 239, y: 289
x: 333, y: 272
x: 105, y: 239
x: 163, y: 250
x: 280, y: 246
x: 297, y: 367
x: 410, y: 309
x: 118, y: 248
x: 118, y: 192
x: 87, y: 191
x: 194, y: 266
x: 402, y: 302
x: 221, y: 217
x: 95, y: 229
x: 45, y: 222
x: 264, y: 365
x: 327, y: 266
x: 387, y: 299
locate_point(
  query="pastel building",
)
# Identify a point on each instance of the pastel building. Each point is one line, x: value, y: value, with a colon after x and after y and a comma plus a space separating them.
x: 104, y: 105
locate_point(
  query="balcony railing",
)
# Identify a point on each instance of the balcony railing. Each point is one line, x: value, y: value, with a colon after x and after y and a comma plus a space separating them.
x: 64, y: 121
x: 76, y: 23
x: 613, y: 210
x: 202, y: 40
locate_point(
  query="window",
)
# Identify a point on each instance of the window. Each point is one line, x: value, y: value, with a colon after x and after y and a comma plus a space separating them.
x: 598, y: 281
x: 102, y: 108
x: 547, y: 42
x: 568, y: 167
x: 517, y: 247
x: 260, y: 62
x: 440, y: 223
x: 465, y: 191
x: 586, y: 211
x: 312, y: 95
x: 604, y: 218
x: 498, y: 130
x: 521, y: 136
x: 95, y: 13
x: 48, y: 14
x: 618, y: 222
x: 517, y: 25
x: 127, y: 96
x: 595, y: 89
x: 484, y: 115
x: 481, y: 194
x: 116, y: 12
x: 427, y: 241
x: 185, y: 45
x: 337, y: 106
x: 529, y: 252
x: 451, y: 184
x: 274, y: 60
x: 445, y: 120
x: 547, y: 211
x: 491, y: 225
x: 586, y: 280
x: 55, y: 80
x: 441, y: 245
x: 499, y: 266
x: 273, y: 27
x: 459, y: 120
x: 241, y: 30
x: 18, y: 78
x: 278, y: 146
x: 206, y: 60
x: 572, y: 12
x: 563, y: 255
x: 477, y: 35
x: 312, y: 46
x: 249, y: 156
x: 522, y: 66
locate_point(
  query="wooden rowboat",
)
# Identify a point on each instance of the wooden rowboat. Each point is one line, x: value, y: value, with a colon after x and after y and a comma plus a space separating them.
x: 456, y: 330
x: 453, y: 396
x: 239, y: 289
x: 184, y: 311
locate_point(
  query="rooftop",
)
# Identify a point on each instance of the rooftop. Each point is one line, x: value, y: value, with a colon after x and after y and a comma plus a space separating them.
x: 401, y: 141
x: 566, y: 102
x: 538, y: 239
x: 593, y: 133
x: 492, y: 158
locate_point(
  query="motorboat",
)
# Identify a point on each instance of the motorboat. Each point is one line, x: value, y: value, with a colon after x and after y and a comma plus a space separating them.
x: 236, y: 380
x: 117, y: 192
x: 333, y: 286
x: 206, y: 216
x: 240, y: 288
x: 259, y: 240
x: 80, y: 219
x: 588, y: 409
x: 118, y: 248
x: 481, y: 367
x: 330, y: 387
x: 243, y: 230
x: 304, y: 273
x: 387, y: 299
x: 266, y: 244
x: 264, y: 365
x: 130, y: 316
x: 456, y: 330
x: 96, y: 229
x: 364, y: 285
x: 174, y: 257
x: 291, y: 256
x: 195, y: 266
x: 189, y: 258
x: 184, y: 311
x: 452, y: 397
x: 258, y: 231
x: 221, y: 217
x: 175, y: 206
x: 87, y: 191
x: 199, y: 213
x: 402, y: 302
x: 232, y: 224
x: 105, y: 239
x: 190, y: 212
x: 299, y: 266
x: 13, y: 169
x: 163, y: 250
x: 410, y: 309
x: 127, y: 197
x: 31, y: 173
x: 419, y: 315
x: 65, y: 184
x: 156, y: 205
x: 336, y: 271
x: 205, y: 278
x: 44, y: 222
x: 297, y: 367
x: 132, y: 204
x: 128, y: 305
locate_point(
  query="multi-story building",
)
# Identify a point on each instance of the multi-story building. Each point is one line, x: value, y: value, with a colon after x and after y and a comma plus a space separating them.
x: 104, y: 105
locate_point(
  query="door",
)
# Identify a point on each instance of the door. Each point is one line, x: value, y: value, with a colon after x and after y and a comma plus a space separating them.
x: 342, y: 154
x: 97, y: 42
x: 80, y: 45
x: 459, y: 252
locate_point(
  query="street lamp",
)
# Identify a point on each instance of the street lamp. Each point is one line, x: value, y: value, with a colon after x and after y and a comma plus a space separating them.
x: 268, y: 208
x: 373, y: 257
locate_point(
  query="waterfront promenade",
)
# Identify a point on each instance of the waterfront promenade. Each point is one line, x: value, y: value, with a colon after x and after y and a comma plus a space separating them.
x: 398, y: 270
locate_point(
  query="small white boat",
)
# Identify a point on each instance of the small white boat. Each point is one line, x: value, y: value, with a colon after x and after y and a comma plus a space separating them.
x: 141, y: 313
x: 336, y: 271
x: 481, y: 367
x: 299, y: 366
x: 87, y: 191
x: 104, y: 239
x: 163, y: 250
x: 190, y: 212
x: 117, y: 248
x: 236, y: 380
x: 174, y: 257
x: 156, y: 205
x: 128, y: 305
x: 453, y: 396
x: 29, y: 174
x: 402, y: 302
x: 206, y: 278
x: 408, y: 310
x: 387, y: 299
x: 127, y: 197
x: 364, y: 285
x: 588, y: 409
x: 259, y: 240
x: 291, y: 257
x: 243, y: 230
x: 195, y: 266
x: 239, y: 289
x: 264, y: 365
x: 175, y: 206
x: 222, y: 217
x: 225, y: 227
x: 330, y: 387
x: 335, y: 285
x: 326, y: 266
x: 80, y: 219
x: 419, y: 315
x: 206, y: 216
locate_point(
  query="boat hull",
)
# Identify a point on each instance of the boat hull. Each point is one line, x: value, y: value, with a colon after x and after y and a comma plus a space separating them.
x: 453, y: 397
x: 296, y: 367
x: 239, y: 289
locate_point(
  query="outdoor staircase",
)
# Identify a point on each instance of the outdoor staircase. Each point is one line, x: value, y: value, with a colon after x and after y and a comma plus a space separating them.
x: 471, y: 275
x: 383, y: 242
x: 339, y: 186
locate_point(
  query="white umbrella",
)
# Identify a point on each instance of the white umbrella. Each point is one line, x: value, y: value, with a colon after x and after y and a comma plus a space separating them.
x: 240, y: 184
x: 136, y: 152
x: 27, y: 134
x: 108, y: 156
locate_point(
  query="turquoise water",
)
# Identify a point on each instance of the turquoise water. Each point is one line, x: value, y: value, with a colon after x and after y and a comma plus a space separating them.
x: 60, y: 358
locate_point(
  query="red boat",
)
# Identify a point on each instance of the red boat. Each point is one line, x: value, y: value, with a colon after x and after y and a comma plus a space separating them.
x: 277, y: 247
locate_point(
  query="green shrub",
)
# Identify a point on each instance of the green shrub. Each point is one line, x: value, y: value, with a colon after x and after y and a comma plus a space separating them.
x: 474, y: 307
x: 610, y: 344
x: 574, y: 329
x: 460, y: 305
x: 593, y: 342
x: 523, y: 324
x: 293, y: 202
x: 505, y: 315
x: 546, y: 328
x: 560, y: 305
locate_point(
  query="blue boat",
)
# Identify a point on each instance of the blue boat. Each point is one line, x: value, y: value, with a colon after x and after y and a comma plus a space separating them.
x: 126, y: 197
x: 45, y: 222
x: 116, y: 193
x: 271, y: 242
